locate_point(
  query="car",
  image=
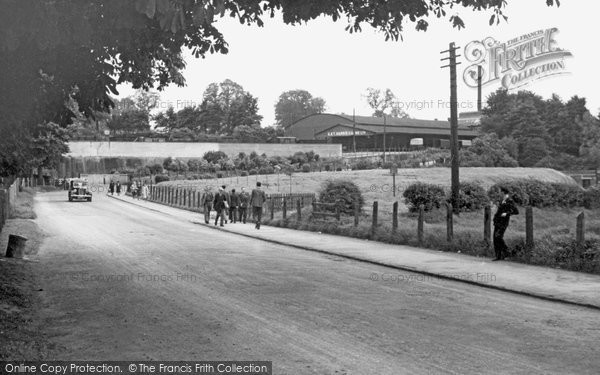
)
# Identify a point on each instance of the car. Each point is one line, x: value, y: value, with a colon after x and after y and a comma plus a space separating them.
x: 78, y: 190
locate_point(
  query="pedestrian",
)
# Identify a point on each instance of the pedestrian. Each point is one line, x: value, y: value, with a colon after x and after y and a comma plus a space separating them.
x: 220, y: 205
x: 227, y: 203
x: 118, y: 188
x: 145, y: 191
x: 234, y: 202
x: 111, y: 187
x: 506, y: 208
x: 133, y: 189
x: 257, y: 199
x: 244, y: 198
x: 207, y: 203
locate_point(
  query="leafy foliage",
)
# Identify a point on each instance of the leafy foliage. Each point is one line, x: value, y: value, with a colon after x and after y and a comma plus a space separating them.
x: 345, y: 194
x: 429, y: 195
x: 472, y: 197
x: 296, y: 104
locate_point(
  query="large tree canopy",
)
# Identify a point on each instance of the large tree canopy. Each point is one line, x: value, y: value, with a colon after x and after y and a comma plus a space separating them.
x: 296, y: 104
x: 53, y: 49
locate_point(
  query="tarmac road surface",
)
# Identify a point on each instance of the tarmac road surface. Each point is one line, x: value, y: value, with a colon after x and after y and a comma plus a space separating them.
x: 125, y: 283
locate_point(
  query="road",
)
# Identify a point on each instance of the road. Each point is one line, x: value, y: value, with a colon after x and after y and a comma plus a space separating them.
x: 122, y: 282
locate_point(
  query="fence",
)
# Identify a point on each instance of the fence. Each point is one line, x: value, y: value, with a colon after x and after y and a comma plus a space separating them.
x: 191, y: 198
x: 8, y: 198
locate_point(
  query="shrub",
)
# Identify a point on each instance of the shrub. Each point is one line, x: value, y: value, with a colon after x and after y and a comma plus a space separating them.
x: 429, y: 195
x: 338, y: 169
x: 219, y: 175
x: 472, y: 197
x: 244, y: 173
x: 539, y: 194
x: 327, y: 167
x: 306, y: 168
x: 515, y: 189
x: 266, y: 170
x: 161, y: 178
x: 253, y: 172
x: 591, y: 198
x: 214, y: 156
x: 344, y: 193
x: 362, y: 165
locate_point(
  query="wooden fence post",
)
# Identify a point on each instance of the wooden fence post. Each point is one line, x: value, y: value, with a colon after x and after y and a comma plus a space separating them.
x: 395, y: 217
x: 299, y: 208
x: 529, y: 227
x: 487, y: 225
x: 284, y: 208
x: 272, y: 208
x: 375, y: 213
x: 581, y: 229
x: 356, y: 212
x: 420, y: 224
x: 449, y: 223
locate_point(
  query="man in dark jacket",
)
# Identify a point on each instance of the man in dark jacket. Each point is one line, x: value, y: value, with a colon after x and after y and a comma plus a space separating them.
x: 220, y: 205
x: 244, y: 202
x: 257, y: 199
x: 227, y: 199
x: 207, y: 203
x: 234, y: 202
x: 506, y: 208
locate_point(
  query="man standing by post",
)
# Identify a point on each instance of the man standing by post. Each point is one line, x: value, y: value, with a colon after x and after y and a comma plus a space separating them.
x: 257, y: 199
x: 220, y: 205
x: 506, y: 208
x: 244, y: 202
x: 207, y: 203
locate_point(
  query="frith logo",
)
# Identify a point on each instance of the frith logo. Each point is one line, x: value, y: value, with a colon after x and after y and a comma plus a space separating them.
x: 517, y: 62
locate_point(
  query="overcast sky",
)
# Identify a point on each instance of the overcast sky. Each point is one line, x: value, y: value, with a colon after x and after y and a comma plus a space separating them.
x: 329, y: 62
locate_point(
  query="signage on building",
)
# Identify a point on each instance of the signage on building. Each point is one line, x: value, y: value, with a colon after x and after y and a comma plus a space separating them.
x: 467, y: 119
x: 345, y: 133
x: 517, y: 62
x: 416, y: 142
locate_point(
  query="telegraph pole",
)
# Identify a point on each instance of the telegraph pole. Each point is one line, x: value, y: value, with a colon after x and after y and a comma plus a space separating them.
x: 354, y: 131
x: 384, y: 131
x: 454, y: 200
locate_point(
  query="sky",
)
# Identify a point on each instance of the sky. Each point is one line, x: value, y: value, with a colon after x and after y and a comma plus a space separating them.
x: 329, y: 62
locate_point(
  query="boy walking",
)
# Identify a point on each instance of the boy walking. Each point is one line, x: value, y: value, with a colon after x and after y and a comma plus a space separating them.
x: 220, y: 204
x: 501, y: 219
x: 234, y: 202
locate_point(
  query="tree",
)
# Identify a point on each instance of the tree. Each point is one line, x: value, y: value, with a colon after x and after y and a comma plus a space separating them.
x: 296, y: 104
x: 48, y: 47
x: 384, y: 103
x: 226, y: 105
x: 128, y: 118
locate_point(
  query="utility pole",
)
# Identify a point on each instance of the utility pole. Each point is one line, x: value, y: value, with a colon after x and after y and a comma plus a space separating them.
x: 454, y: 200
x: 384, y: 131
x: 479, y: 88
x: 354, y: 131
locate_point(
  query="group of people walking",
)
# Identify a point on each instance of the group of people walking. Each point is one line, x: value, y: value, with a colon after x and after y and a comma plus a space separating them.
x: 137, y: 189
x: 232, y: 206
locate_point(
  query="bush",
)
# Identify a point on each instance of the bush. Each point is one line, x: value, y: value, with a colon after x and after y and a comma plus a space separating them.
x: 306, y: 168
x: 327, y: 167
x: 591, y: 198
x: 364, y: 164
x: 161, y: 178
x: 266, y: 170
x: 429, y: 195
x: 344, y: 193
x: 472, y: 197
x: 244, y: 173
x: 253, y: 172
x: 539, y: 194
x: 219, y: 175
x: 515, y: 189
x: 214, y: 156
x: 338, y: 169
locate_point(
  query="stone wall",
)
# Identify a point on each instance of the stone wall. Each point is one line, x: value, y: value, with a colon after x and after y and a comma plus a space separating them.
x: 193, y: 150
